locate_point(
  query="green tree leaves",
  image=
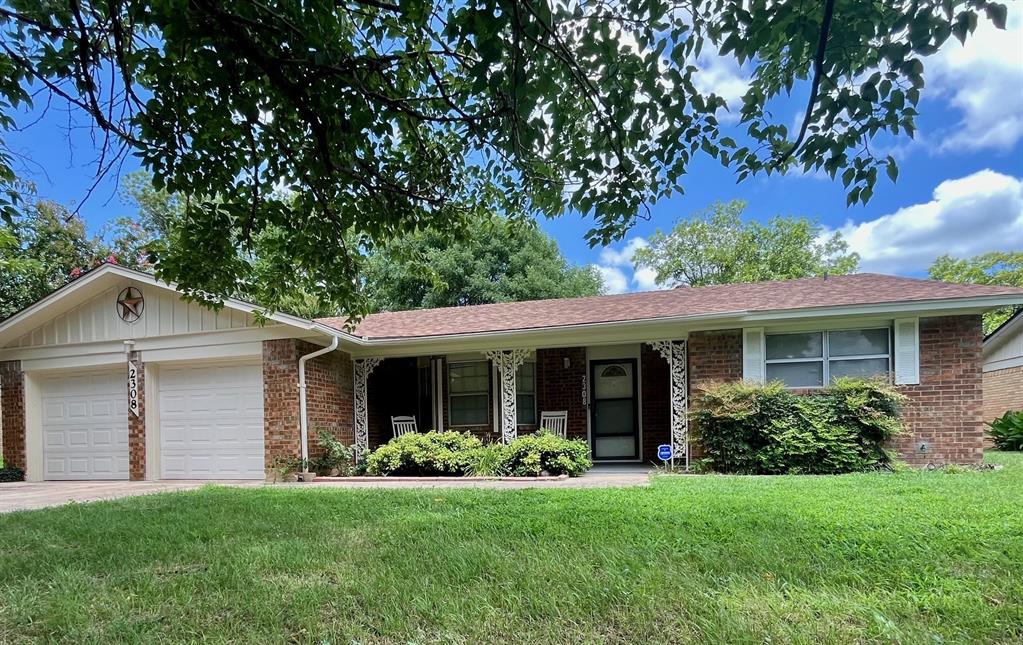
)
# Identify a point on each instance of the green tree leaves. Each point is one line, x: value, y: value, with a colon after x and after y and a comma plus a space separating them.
x: 318, y: 122
x: 718, y: 247
x: 1000, y: 267
x: 501, y: 262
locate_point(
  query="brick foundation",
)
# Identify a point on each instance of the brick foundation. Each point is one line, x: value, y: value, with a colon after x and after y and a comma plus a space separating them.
x: 137, y: 425
x: 329, y: 398
x: 1003, y: 391
x: 12, y: 409
x: 945, y: 408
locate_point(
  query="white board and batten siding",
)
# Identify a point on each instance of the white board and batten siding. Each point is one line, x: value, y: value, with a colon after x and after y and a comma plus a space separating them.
x: 165, y: 314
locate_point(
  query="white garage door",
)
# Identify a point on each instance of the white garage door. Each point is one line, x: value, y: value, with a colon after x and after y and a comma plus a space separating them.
x: 85, y: 426
x: 211, y: 422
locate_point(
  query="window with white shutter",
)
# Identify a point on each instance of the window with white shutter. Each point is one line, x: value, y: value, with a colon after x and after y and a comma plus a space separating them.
x: 907, y: 351
x: 753, y: 354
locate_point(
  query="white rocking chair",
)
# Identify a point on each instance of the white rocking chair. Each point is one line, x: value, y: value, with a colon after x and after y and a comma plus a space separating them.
x: 555, y: 422
x: 403, y: 425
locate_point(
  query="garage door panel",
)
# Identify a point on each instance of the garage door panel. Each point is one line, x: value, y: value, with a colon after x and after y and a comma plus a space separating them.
x: 85, y: 426
x: 211, y: 422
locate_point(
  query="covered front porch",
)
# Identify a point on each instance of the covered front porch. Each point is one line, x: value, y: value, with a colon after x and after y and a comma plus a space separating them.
x: 623, y: 400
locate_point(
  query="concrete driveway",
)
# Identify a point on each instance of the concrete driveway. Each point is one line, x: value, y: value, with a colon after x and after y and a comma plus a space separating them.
x: 28, y: 495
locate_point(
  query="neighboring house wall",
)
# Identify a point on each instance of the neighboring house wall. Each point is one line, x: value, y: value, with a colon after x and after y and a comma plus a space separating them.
x: 945, y: 408
x: 329, y: 397
x: 12, y: 406
x: 1003, y: 391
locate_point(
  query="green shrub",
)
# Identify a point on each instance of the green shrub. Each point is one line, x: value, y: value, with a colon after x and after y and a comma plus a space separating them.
x: 489, y: 460
x: 533, y: 454
x: 430, y: 454
x: 12, y: 474
x: 1007, y: 431
x: 766, y: 429
x: 336, y: 456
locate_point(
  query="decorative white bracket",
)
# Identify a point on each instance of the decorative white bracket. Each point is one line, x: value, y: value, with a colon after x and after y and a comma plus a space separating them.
x: 362, y: 368
x: 674, y: 351
x: 507, y: 362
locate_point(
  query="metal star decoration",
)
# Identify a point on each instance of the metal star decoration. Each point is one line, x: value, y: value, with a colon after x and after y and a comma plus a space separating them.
x: 130, y: 304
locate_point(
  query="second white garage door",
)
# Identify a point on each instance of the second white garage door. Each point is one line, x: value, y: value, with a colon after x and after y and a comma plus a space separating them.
x: 211, y: 422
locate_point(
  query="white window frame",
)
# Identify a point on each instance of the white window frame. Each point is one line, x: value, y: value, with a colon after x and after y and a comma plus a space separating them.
x: 451, y: 395
x: 825, y: 356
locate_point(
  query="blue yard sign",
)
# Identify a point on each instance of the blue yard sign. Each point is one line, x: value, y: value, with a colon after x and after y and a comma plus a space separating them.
x: 664, y: 452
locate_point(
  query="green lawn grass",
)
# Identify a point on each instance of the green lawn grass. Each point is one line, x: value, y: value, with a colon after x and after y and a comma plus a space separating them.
x: 907, y: 557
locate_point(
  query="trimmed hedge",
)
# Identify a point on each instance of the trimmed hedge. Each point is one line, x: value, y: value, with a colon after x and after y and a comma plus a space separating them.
x: 10, y: 473
x: 454, y: 454
x: 532, y: 455
x: 767, y: 429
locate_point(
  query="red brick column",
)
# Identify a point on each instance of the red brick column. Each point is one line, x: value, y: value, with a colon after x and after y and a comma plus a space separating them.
x: 137, y: 424
x: 714, y: 357
x: 12, y: 407
x: 945, y: 409
x: 280, y: 401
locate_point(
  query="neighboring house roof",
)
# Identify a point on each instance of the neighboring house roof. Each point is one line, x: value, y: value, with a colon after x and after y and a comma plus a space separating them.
x: 1003, y: 347
x: 845, y: 291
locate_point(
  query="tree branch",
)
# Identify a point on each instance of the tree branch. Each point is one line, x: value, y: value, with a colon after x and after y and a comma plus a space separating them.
x: 818, y: 72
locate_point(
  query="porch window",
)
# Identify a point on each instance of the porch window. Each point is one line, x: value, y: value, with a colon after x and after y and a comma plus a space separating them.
x: 811, y: 359
x: 525, y: 394
x: 468, y: 393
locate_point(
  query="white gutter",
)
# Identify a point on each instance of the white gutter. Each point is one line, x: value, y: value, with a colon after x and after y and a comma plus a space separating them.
x: 302, y: 420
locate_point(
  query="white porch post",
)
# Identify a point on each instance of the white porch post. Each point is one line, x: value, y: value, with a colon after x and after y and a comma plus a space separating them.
x: 674, y: 351
x: 362, y: 368
x: 507, y: 362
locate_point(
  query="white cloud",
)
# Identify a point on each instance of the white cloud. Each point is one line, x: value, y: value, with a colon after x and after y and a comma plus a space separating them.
x: 616, y: 264
x: 984, y: 81
x: 975, y: 214
x: 622, y: 257
x: 614, y: 279
x: 722, y: 75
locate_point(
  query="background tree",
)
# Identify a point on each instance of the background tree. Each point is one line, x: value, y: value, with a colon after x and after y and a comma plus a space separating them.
x: 385, y: 118
x: 718, y: 247
x: 42, y: 248
x: 503, y: 262
x: 1001, y: 268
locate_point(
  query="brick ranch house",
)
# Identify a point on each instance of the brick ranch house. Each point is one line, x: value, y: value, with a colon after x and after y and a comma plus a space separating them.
x: 1003, y: 368
x: 114, y: 376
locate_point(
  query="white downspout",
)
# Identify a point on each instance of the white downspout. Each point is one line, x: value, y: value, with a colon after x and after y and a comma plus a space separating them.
x: 303, y: 422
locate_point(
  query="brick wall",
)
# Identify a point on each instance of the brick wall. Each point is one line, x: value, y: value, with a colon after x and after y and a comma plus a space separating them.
x: 558, y: 388
x: 656, y: 402
x: 137, y: 424
x: 1003, y: 391
x: 946, y: 407
x: 12, y: 407
x: 329, y: 398
x: 714, y: 357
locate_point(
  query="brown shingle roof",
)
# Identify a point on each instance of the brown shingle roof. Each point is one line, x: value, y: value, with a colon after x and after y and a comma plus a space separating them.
x: 834, y: 291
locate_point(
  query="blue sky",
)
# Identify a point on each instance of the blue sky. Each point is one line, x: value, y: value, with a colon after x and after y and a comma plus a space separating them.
x: 960, y: 188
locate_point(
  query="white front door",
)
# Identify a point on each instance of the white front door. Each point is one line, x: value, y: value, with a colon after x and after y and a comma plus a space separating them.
x: 211, y: 422
x: 85, y: 425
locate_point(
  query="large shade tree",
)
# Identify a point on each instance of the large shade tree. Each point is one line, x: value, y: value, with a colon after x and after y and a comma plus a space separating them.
x: 384, y: 118
x: 719, y: 247
x: 998, y: 267
x: 501, y: 262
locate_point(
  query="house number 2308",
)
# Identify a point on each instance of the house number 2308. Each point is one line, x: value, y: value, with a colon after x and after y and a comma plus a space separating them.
x: 133, y: 388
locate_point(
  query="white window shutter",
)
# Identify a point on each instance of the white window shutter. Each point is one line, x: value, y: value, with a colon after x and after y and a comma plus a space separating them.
x: 907, y: 351
x: 753, y: 354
